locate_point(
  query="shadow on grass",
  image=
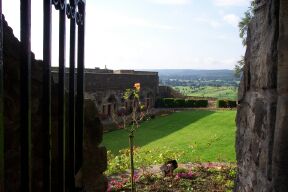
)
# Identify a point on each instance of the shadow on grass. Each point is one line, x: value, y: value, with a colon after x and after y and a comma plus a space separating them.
x: 153, y: 130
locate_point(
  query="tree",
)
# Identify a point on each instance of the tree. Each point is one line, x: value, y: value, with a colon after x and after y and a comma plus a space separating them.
x: 238, y: 69
x: 243, y: 29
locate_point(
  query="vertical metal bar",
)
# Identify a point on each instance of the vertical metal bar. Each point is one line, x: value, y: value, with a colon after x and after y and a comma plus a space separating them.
x: 25, y: 95
x: 80, y: 85
x: 70, y: 170
x: 61, y: 97
x: 47, y: 95
x: 2, y: 154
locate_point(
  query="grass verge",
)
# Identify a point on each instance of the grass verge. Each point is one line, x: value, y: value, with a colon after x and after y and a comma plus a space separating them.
x: 199, y: 135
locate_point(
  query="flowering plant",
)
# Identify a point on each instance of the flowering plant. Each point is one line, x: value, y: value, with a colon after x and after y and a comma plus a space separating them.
x: 134, y: 115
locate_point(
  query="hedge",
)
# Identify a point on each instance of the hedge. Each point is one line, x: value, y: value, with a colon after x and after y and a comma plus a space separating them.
x: 180, y: 103
x: 168, y: 102
x: 226, y: 104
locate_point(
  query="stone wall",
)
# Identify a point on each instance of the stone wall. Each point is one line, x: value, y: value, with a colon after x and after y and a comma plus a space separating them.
x: 169, y: 92
x: 106, y: 87
x: 12, y: 62
x: 261, y: 143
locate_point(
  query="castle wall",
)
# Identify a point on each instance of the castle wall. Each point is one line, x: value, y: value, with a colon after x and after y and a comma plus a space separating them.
x: 106, y: 87
x: 99, y: 82
x: 101, y: 87
x: 261, y: 143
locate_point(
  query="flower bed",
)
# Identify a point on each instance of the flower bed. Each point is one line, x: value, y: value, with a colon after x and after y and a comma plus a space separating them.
x: 201, y: 177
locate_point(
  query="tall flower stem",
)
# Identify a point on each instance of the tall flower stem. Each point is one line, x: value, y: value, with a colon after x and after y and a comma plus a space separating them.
x: 131, y: 143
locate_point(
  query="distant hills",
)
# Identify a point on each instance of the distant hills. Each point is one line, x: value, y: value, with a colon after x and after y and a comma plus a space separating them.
x: 194, y: 74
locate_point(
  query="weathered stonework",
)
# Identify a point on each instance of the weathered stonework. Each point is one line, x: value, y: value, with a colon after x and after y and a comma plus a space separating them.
x: 102, y: 84
x: 261, y: 143
x: 169, y: 92
x: 95, y: 157
x: 106, y: 87
x: 12, y: 62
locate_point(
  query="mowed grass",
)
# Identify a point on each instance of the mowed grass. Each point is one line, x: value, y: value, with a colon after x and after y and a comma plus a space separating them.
x: 203, y: 135
x: 223, y: 92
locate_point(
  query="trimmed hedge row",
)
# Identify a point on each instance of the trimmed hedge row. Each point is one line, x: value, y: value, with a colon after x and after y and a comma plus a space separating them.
x: 226, y: 104
x: 180, y: 103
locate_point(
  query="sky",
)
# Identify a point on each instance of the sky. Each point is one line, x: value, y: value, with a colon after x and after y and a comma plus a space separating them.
x: 148, y: 34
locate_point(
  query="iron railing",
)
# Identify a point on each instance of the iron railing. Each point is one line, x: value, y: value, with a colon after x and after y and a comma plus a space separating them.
x: 70, y: 138
x: 2, y: 156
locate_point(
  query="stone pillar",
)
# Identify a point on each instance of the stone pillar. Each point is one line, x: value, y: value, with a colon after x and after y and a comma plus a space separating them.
x: 262, y: 117
x: 95, y: 157
x: 280, y: 150
x: 257, y: 99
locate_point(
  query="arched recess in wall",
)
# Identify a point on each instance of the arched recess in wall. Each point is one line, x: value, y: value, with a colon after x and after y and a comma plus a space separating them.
x: 111, y: 104
x: 149, y: 99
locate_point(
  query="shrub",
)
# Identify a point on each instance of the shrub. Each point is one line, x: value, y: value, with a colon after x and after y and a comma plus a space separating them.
x: 143, y: 158
x: 226, y: 104
x: 159, y: 103
x: 181, y: 170
x: 179, y: 103
x: 190, y: 103
x: 232, y: 104
x: 201, y: 103
x: 169, y: 102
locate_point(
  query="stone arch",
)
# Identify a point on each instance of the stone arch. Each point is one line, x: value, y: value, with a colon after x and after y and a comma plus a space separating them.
x: 148, y: 98
x: 110, y: 104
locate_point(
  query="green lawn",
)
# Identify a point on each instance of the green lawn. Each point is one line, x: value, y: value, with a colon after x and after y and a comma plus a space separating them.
x: 223, y: 92
x: 201, y: 134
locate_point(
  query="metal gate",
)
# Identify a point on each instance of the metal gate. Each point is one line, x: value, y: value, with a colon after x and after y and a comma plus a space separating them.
x: 70, y: 137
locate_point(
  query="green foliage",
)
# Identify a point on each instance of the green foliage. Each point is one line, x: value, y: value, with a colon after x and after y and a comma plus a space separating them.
x: 168, y: 102
x: 243, y: 30
x: 201, y: 103
x: 243, y: 26
x: 197, y: 178
x: 239, y: 67
x: 232, y: 173
x: 190, y: 103
x: 181, y: 170
x: 135, y: 117
x: 226, y: 104
x: 142, y: 158
x: 180, y: 103
x: 244, y: 23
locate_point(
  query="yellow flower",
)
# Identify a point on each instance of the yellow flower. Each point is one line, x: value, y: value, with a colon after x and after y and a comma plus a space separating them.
x: 137, y: 86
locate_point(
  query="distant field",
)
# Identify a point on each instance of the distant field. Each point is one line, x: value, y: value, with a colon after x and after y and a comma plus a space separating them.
x: 223, y: 92
x: 201, y: 134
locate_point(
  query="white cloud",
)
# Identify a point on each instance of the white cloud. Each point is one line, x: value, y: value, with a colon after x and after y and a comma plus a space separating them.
x: 212, y: 63
x: 207, y: 20
x: 171, y: 2
x: 231, y: 19
x: 231, y: 2
x: 109, y: 19
x: 206, y: 63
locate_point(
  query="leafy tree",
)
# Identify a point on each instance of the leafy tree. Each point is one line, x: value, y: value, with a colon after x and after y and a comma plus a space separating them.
x: 239, y: 66
x: 243, y: 29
